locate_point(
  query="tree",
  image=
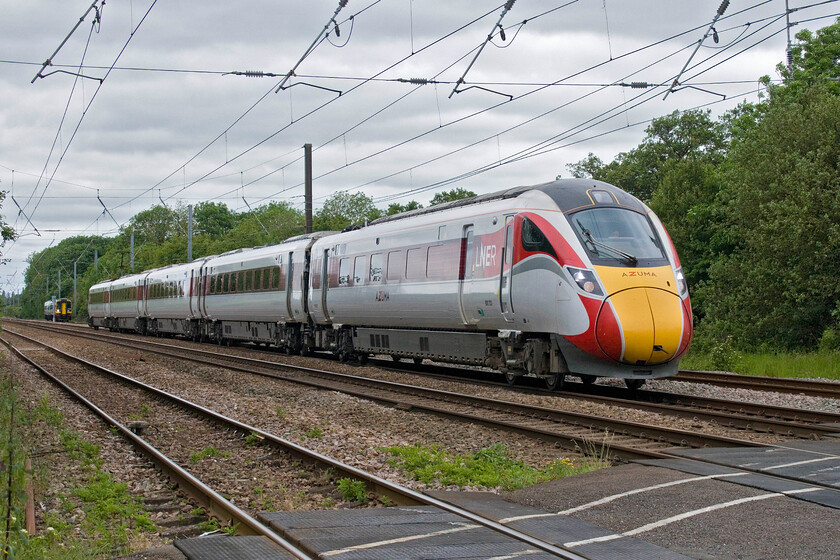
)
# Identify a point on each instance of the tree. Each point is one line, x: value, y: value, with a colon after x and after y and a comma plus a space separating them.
x: 155, y: 225
x: 781, y: 199
x: 343, y: 209
x: 213, y: 219
x: 675, y: 137
x: 7, y: 233
x: 816, y: 58
x: 397, y: 208
x: 449, y: 196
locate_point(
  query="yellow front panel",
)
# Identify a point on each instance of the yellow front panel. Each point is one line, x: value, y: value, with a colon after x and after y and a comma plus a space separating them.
x: 648, y: 308
x: 668, y: 323
x: 617, y: 278
x: 633, y: 312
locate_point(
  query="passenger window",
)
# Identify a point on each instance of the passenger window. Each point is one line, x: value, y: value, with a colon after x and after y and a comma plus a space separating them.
x: 376, y: 267
x: 415, y: 265
x: 344, y: 272
x: 396, y: 265
x: 359, y: 270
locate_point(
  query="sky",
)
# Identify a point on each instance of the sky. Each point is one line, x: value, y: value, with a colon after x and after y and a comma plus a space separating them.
x: 160, y: 102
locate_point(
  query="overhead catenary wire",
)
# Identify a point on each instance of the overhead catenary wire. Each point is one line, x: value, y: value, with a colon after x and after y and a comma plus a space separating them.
x: 651, y: 85
x: 384, y: 150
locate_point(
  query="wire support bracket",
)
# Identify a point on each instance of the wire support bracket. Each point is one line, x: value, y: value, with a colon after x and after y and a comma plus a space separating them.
x: 498, y: 25
x: 709, y: 31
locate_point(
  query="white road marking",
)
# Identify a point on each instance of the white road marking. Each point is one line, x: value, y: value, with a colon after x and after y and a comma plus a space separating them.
x: 796, y: 464
x: 460, y: 527
x: 686, y: 515
x: 622, y: 495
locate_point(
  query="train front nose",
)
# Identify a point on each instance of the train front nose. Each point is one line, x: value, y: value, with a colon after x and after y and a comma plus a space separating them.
x: 641, y: 326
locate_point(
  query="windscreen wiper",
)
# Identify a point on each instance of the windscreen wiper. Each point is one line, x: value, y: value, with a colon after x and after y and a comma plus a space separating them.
x: 630, y: 259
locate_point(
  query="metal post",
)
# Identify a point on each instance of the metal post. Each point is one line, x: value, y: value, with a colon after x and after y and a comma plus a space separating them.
x: 132, y: 249
x: 307, y: 155
x: 95, y: 260
x: 189, y: 233
x: 74, y: 283
x: 59, y: 283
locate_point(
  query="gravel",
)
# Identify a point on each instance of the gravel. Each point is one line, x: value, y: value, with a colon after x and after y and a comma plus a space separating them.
x: 343, y: 427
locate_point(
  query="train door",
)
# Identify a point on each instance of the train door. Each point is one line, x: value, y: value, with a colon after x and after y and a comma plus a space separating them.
x: 288, y: 286
x: 325, y: 283
x: 465, y: 275
x: 506, y: 274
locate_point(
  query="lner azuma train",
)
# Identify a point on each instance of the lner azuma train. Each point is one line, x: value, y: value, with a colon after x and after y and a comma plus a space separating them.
x: 570, y: 277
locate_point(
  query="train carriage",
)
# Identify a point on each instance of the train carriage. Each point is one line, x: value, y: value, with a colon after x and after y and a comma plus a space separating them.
x: 169, y: 300
x: 99, y: 300
x: 258, y: 294
x: 124, y: 311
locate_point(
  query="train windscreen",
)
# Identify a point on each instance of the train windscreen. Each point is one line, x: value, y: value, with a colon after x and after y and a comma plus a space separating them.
x: 616, y: 234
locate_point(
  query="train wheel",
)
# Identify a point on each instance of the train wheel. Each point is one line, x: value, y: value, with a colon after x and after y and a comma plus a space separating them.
x: 634, y: 384
x: 510, y: 377
x: 555, y: 381
x: 588, y: 379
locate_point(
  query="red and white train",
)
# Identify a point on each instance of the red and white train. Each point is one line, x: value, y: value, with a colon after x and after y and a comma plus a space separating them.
x: 570, y: 277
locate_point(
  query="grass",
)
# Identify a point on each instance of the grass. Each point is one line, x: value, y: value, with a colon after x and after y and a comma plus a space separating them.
x: 95, y: 516
x: 824, y: 364
x: 491, y: 467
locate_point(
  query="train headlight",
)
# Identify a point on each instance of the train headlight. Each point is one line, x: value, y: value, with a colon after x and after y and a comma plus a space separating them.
x: 586, y: 280
x: 682, y: 286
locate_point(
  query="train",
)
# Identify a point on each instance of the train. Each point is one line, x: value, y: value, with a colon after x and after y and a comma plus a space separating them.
x: 60, y: 310
x: 571, y: 277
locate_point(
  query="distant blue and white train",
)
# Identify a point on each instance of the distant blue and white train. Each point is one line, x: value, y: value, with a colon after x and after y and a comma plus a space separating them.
x: 569, y: 277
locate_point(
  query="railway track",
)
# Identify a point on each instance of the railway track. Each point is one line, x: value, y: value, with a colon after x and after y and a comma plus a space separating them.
x: 110, y: 388
x: 777, y: 384
x: 623, y: 440
x: 736, y: 415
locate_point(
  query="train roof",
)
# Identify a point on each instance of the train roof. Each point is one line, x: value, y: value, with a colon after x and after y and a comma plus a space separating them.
x: 568, y: 194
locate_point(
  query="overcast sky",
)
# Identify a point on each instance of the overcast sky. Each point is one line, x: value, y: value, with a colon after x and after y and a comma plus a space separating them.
x: 172, y: 122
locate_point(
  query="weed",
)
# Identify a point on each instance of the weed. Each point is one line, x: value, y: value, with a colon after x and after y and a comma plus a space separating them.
x: 208, y: 452
x: 254, y: 439
x: 315, y: 433
x: 352, y: 490
x: 209, y: 526
x: 280, y: 412
x: 490, y: 467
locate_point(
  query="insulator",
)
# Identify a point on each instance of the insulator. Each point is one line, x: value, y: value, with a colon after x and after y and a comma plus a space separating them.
x: 254, y: 74
x: 723, y: 6
x: 639, y: 85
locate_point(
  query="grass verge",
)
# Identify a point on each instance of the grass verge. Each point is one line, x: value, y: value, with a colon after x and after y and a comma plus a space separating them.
x: 491, y: 467
x: 93, y: 516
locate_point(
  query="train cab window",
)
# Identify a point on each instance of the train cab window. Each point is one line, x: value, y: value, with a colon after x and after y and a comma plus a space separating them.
x: 618, y: 234
x: 396, y: 265
x: 534, y: 240
x: 344, y: 272
x: 359, y: 269
x: 376, y: 267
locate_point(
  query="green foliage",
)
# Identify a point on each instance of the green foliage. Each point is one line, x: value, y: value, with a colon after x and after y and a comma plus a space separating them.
x: 449, y: 196
x: 352, y: 490
x: 315, y: 433
x: 343, y: 209
x: 106, y: 513
x: 491, y: 467
x: 208, y: 452
x: 777, y: 283
x: 397, y: 208
x: 816, y: 56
